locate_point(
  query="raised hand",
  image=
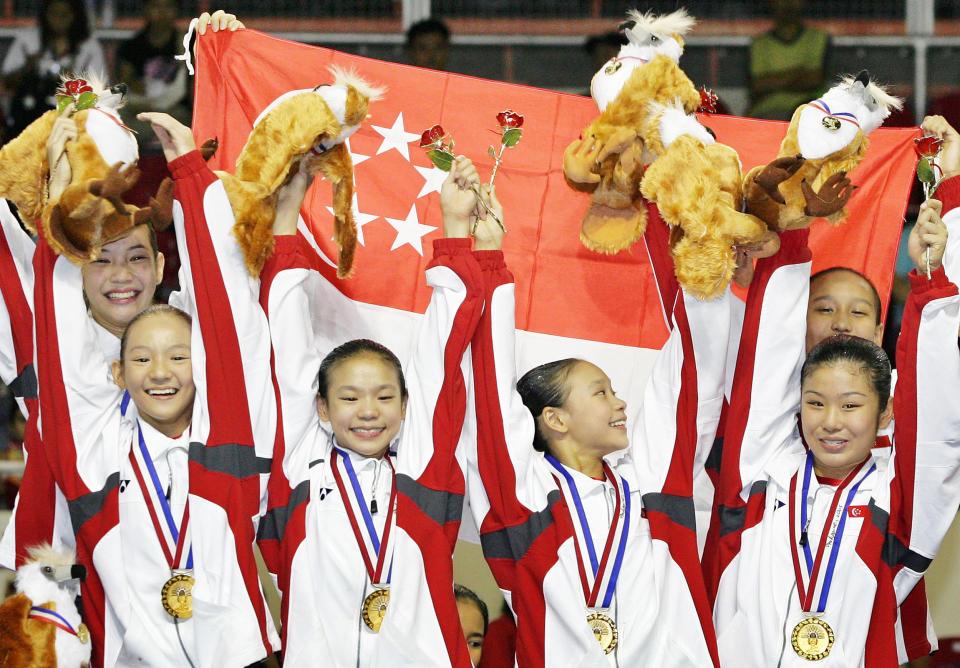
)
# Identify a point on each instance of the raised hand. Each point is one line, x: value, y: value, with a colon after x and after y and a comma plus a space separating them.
x: 832, y: 197
x: 175, y: 137
x: 937, y: 126
x: 64, y: 130
x: 458, y: 198
x: 775, y: 173
x: 218, y: 21
x: 928, y: 238
x: 487, y: 231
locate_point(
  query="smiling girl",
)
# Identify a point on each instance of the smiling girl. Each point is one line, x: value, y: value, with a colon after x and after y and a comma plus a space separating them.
x: 162, y: 482
x: 585, y: 510
x: 826, y: 531
x: 363, y: 514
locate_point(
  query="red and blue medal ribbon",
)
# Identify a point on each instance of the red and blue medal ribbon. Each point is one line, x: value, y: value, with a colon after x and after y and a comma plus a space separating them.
x: 600, y: 578
x: 372, y: 548
x: 820, y: 105
x: 832, y: 533
x: 51, y: 617
x: 173, y: 539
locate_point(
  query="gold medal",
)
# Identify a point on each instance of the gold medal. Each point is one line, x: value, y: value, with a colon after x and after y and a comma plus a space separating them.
x: 812, y: 639
x: 604, y: 630
x: 176, y: 596
x: 83, y: 633
x: 375, y: 608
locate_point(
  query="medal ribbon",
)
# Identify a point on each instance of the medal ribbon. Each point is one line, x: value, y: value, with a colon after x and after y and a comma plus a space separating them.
x: 354, y: 497
x: 51, y: 617
x: 820, y: 105
x: 617, y: 535
x: 837, y: 517
x: 172, y: 539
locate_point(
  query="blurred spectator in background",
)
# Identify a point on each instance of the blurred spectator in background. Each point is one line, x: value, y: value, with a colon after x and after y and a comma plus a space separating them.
x: 428, y: 44
x: 786, y: 64
x: 146, y: 64
x: 602, y: 48
x: 60, y: 42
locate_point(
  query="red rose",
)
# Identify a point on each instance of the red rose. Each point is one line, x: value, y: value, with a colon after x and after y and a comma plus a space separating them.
x: 708, y: 101
x: 509, y: 119
x: 927, y: 147
x: 432, y: 136
x: 76, y: 86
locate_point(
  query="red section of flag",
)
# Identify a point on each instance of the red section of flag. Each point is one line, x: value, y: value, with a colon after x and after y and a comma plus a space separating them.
x: 857, y: 511
x: 562, y: 288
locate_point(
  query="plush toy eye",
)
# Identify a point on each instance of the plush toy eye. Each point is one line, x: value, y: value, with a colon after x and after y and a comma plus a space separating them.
x: 47, y: 570
x: 654, y: 38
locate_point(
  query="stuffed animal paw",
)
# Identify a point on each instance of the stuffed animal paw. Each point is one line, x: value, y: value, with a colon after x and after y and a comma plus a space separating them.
x: 776, y: 173
x: 831, y: 198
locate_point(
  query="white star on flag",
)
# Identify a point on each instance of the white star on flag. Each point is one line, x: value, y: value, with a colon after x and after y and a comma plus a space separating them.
x: 360, y: 219
x: 410, y: 231
x: 356, y: 157
x: 434, y: 177
x: 396, y: 137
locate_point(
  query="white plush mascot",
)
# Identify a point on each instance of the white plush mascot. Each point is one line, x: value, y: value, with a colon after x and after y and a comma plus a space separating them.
x: 40, y: 626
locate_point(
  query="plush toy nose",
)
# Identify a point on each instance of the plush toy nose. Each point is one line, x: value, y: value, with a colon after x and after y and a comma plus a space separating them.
x: 863, y: 77
x: 120, y: 88
x: 78, y: 572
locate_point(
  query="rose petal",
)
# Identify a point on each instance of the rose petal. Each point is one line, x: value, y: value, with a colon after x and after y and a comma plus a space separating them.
x: 927, y: 147
x: 708, y: 101
x: 509, y: 119
x: 431, y: 136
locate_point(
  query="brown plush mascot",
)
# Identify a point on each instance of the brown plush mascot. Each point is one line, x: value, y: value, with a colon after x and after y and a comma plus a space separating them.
x: 826, y: 139
x: 302, y: 126
x: 626, y: 89
x: 102, y: 160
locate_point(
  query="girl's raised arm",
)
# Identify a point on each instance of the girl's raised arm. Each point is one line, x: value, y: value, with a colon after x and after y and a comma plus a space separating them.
x: 234, y: 420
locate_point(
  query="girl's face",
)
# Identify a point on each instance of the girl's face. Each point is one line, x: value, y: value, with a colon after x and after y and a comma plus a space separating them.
x: 157, y: 372
x: 595, y: 417
x: 121, y: 281
x: 840, y: 414
x: 471, y: 620
x: 364, y: 405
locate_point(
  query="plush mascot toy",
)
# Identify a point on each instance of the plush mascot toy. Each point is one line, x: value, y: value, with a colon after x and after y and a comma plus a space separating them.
x: 102, y: 165
x: 40, y: 626
x: 627, y: 89
x: 696, y: 185
x: 825, y: 140
x: 301, y: 129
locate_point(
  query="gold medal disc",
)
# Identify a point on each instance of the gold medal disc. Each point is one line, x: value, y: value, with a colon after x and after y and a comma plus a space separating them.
x: 176, y: 596
x: 375, y: 608
x: 83, y: 634
x: 605, y: 631
x: 812, y: 639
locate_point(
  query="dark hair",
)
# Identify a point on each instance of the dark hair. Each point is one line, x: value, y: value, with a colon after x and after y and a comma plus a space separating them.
x: 612, y: 38
x: 353, y: 348
x: 542, y: 386
x: 154, y: 309
x: 79, y: 29
x: 462, y: 593
x: 427, y: 27
x: 877, y: 306
x: 854, y: 350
